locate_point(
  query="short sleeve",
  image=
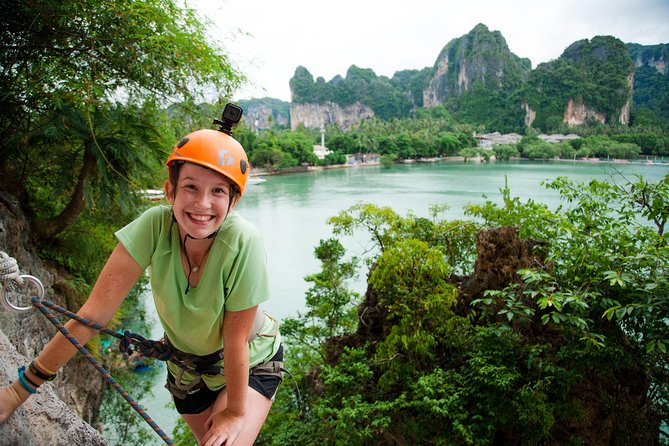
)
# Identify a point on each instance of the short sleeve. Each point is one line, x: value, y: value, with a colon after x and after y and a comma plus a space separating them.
x: 140, y: 237
x: 247, y: 284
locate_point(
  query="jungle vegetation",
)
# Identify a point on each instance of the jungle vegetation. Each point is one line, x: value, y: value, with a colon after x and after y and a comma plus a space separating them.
x: 579, y: 336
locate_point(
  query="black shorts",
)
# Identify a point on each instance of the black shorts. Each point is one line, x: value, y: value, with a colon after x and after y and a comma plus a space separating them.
x: 199, y: 401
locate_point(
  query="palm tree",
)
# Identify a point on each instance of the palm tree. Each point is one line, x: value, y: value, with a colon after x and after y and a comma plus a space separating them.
x: 97, y: 157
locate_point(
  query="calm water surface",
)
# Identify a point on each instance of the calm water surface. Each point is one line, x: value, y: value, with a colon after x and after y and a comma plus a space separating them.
x: 291, y: 212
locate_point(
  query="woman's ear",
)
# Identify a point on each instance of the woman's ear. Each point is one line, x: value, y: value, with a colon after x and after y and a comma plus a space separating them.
x: 169, y: 191
x: 235, y: 200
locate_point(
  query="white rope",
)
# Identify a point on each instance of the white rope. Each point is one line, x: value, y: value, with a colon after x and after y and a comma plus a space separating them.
x: 9, y: 269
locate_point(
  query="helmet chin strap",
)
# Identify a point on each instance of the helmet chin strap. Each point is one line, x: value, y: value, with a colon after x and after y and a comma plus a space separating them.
x: 190, y: 265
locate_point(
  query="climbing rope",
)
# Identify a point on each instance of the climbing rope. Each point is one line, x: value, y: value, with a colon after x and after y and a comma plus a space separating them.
x: 149, y: 348
x: 9, y: 269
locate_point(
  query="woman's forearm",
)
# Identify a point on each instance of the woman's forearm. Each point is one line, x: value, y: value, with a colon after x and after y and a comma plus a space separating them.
x: 116, y: 279
x: 236, y: 362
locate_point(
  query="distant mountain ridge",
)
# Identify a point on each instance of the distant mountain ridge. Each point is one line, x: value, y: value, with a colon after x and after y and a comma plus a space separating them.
x: 480, y: 81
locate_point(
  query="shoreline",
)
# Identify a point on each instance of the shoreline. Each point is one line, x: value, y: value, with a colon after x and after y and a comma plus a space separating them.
x: 261, y: 172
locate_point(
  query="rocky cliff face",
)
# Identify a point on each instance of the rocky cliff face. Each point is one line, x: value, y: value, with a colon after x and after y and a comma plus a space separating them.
x: 262, y: 117
x: 54, y: 414
x: 315, y: 115
x: 655, y: 56
x: 480, y: 57
x: 577, y: 113
x: 265, y: 113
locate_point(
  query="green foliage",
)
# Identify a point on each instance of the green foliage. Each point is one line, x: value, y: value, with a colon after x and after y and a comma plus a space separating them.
x: 67, y: 132
x: 651, y: 86
x: 604, y: 147
x: 539, y: 150
x: 329, y: 300
x: 518, y: 363
x: 182, y: 435
x: 650, y: 143
x: 334, y: 158
x: 469, y: 152
x: 360, y: 85
x: 388, y: 160
x: 298, y: 145
x: 609, y: 255
x: 126, y: 426
x: 593, y: 72
x: 330, y: 305
x: 505, y: 151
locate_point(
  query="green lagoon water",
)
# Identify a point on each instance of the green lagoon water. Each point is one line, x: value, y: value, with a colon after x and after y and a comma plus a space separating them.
x: 291, y: 212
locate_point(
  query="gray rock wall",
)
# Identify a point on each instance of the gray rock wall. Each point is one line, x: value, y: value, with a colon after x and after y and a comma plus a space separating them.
x: 54, y: 415
x: 314, y: 115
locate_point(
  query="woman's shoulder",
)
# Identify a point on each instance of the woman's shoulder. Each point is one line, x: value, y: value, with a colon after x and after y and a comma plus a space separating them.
x: 158, y: 212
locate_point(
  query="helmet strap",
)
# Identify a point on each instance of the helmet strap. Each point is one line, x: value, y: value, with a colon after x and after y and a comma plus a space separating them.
x: 190, y: 265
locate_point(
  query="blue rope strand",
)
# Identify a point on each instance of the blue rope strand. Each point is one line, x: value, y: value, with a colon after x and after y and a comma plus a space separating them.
x: 42, y: 305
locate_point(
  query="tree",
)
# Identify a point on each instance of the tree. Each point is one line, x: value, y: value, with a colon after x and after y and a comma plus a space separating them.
x: 330, y: 304
x: 299, y: 145
x: 505, y: 151
x: 577, y: 336
x: 88, y: 62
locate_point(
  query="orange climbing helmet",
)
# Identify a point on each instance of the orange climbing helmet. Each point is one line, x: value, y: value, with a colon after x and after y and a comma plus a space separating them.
x: 216, y: 149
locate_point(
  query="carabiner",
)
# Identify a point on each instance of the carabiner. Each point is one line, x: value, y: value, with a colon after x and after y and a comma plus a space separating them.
x: 28, y: 281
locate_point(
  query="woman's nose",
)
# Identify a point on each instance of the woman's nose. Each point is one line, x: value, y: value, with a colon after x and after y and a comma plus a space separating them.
x: 202, y: 200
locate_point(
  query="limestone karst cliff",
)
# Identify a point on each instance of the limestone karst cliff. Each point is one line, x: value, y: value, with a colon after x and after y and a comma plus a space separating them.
x: 265, y: 113
x: 316, y: 115
x: 480, y: 57
x: 61, y: 413
x: 478, y: 78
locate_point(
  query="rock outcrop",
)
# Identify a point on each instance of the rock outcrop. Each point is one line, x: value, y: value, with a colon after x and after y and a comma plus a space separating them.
x: 481, y: 58
x: 530, y: 115
x: 265, y: 113
x: 44, y: 419
x: 577, y: 113
x: 314, y: 115
x: 654, y: 56
x: 262, y: 117
x: 54, y: 414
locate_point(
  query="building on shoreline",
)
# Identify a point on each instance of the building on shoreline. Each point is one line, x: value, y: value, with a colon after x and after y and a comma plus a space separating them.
x: 489, y: 140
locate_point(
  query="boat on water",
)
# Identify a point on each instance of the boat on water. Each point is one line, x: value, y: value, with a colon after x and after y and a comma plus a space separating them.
x: 153, y: 194
x: 255, y: 180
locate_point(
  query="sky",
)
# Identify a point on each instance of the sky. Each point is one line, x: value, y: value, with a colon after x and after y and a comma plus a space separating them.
x: 267, y: 40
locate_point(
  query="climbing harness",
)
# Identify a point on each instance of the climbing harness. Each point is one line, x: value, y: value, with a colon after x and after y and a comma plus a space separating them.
x: 128, y: 339
x: 210, y: 365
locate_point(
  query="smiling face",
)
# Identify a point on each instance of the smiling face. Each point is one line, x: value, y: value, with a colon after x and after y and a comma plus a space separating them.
x: 201, y: 200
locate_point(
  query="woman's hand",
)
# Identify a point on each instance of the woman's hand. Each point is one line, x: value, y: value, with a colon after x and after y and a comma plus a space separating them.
x: 11, y: 397
x: 222, y: 428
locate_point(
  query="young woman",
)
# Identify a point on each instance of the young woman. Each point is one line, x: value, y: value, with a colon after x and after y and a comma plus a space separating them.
x: 208, y: 275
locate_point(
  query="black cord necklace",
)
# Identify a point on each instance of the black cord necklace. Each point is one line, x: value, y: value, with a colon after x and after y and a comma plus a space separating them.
x: 194, y: 268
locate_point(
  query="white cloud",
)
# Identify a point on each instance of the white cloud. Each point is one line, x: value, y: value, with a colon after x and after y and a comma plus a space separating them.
x: 392, y: 35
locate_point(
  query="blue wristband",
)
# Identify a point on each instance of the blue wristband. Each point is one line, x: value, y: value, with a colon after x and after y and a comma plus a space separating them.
x: 22, y: 379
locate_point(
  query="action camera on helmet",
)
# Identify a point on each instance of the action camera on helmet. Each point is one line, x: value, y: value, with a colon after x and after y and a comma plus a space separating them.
x: 232, y: 113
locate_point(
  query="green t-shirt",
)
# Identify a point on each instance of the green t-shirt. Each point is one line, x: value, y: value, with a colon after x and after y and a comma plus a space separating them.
x: 234, y: 278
